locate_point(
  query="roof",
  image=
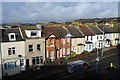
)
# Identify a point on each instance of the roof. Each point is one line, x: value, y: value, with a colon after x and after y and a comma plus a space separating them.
x: 5, y: 32
x: 74, y: 31
x: 86, y: 31
x: 107, y: 29
x: 95, y: 29
x: 57, y: 30
x: 23, y: 28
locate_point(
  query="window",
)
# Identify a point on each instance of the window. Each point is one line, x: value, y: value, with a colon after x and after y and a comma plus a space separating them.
x: 97, y: 37
x: 30, y: 48
x: 37, y: 60
x: 51, y: 42
x: 89, y: 47
x: 100, y: 37
x: 10, y: 65
x: 91, y: 38
x: 11, y: 51
x: 21, y: 62
x: 87, y: 38
x: 68, y: 40
x: 38, y: 47
x: 33, y: 33
x: 11, y: 36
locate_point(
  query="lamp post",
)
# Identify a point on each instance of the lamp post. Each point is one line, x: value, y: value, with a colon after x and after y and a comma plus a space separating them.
x: 103, y: 41
x: 97, y: 61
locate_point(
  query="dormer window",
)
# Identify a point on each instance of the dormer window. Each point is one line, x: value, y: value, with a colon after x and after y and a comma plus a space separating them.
x: 33, y: 33
x: 12, y: 36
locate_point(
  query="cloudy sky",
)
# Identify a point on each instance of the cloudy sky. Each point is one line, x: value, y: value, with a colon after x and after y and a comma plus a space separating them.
x: 29, y: 11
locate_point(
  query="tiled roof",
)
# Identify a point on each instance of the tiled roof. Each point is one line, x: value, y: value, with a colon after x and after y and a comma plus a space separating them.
x: 86, y: 31
x: 5, y: 33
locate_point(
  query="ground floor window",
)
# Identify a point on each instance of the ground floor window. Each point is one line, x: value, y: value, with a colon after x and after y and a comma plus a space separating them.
x: 37, y: 60
x: 10, y: 65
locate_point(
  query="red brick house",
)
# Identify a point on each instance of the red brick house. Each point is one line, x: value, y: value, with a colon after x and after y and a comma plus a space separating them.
x: 59, y: 40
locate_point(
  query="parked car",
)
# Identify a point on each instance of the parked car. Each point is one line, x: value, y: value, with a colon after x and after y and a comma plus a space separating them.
x: 77, y: 66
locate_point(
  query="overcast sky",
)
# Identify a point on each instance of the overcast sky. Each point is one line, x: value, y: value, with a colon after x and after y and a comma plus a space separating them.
x: 56, y: 11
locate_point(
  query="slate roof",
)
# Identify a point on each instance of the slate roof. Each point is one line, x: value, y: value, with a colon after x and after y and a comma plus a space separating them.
x: 107, y: 29
x: 61, y: 31
x: 5, y: 33
x: 57, y: 30
x: 95, y: 29
x: 86, y: 31
x: 74, y: 31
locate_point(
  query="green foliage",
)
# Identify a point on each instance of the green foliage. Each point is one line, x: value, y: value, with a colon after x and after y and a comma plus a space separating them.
x: 73, y: 54
x: 48, y: 60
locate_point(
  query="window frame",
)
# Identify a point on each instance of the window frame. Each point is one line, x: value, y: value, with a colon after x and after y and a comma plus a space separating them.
x: 30, y: 49
x: 38, y: 47
x: 10, y: 35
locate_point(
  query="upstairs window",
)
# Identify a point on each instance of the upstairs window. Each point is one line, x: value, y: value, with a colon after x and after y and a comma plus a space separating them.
x: 33, y: 33
x: 30, y: 48
x: 97, y: 37
x: 38, y: 47
x: 11, y: 51
x: 11, y: 36
x: 91, y: 38
x: 52, y: 42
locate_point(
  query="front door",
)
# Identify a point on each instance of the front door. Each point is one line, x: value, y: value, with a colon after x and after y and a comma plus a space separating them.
x: 27, y: 63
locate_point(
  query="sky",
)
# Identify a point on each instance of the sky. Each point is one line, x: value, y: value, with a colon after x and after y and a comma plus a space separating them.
x: 32, y: 11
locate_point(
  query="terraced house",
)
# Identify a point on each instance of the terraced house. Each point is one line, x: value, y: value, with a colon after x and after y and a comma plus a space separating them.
x: 34, y: 45
x: 62, y: 40
x: 0, y: 53
x: 13, y: 51
x: 111, y: 35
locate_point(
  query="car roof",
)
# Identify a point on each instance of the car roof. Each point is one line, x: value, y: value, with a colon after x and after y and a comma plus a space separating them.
x: 76, y: 62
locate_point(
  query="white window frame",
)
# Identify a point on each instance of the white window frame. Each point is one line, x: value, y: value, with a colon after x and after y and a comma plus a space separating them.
x: 12, y: 34
x: 33, y: 32
x: 30, y: 48
x: 10, y: 65
x: 39, y: 48
x: 12, y: 51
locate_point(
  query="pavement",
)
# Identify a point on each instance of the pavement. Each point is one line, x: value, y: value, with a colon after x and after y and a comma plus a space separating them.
x: 53, y: 69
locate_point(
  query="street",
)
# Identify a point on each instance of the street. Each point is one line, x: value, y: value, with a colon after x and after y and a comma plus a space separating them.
x: 59, y: 72
x: 91, y: 73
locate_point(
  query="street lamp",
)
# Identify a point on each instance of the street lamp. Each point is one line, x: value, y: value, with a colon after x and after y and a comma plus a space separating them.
x: 103, y: 41
x: 97, y: 61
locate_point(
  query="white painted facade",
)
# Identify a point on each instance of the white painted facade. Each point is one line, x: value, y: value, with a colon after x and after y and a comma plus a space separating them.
x: 0, y: 63
x: 11, y: 62
x: 97, y: 41
x: 112, y: 37
x: 89, y: 43
x: 29, y: 32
